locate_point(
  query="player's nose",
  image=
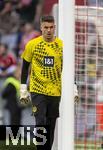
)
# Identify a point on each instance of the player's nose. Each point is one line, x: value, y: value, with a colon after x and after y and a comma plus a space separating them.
x: 48, y: 29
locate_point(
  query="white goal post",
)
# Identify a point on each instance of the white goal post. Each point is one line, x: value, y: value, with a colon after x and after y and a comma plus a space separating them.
x: 66, y: 33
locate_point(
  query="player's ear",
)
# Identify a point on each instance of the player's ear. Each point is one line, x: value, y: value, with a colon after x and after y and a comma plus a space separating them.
x: 54, y: 26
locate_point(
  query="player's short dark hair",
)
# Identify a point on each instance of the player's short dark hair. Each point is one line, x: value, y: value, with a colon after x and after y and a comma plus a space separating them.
x: 47, y: 18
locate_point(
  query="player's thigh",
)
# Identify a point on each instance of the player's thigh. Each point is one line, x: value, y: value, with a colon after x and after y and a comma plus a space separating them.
x: 53, y: 106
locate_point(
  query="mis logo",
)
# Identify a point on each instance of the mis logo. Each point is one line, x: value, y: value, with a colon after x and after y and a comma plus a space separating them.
x: 28, y: 135
x: 20, y: 136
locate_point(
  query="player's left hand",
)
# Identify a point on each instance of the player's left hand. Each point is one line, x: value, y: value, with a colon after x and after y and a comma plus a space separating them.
x: 76, y: 99
x: 76, y: 95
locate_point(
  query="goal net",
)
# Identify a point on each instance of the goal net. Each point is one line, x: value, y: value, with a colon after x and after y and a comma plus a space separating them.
x: 89, y: 77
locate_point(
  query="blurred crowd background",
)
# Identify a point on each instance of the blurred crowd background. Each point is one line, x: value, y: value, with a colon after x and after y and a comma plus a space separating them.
x: 19, y: 22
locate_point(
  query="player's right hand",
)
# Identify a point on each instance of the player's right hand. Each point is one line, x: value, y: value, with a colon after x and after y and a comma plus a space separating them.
x: 24, y: 95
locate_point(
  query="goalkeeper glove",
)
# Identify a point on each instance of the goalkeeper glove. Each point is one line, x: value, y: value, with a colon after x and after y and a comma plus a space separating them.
x: 24, y: 95
x: 76, y: 95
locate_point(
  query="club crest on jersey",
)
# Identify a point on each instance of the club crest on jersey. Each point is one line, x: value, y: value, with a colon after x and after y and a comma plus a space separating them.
x: 48, y: 61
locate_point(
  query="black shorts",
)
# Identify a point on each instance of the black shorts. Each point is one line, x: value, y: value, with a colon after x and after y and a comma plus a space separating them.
x: 47, y: 106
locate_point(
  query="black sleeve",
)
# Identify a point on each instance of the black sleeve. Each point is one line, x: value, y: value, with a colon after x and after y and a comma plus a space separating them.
x: 24, y: 72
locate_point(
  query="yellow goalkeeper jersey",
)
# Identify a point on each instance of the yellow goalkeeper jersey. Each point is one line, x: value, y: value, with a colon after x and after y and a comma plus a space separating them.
x: 46, y: 65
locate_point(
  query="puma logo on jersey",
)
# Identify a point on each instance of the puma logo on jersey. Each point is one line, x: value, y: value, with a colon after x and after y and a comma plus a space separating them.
x: 48, y: 61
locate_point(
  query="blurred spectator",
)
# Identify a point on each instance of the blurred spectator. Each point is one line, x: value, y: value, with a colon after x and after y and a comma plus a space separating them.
x: 29, y: 33
x: 30, y: 10
x: 9, y: 24
x: 11, y: 95
x: 19, y: 37
x: 1, y: 4
x: 99, y: 101
x: 89, y: 2
x: 99, y: 85
x: 95, y: 3
x: 7, y: 61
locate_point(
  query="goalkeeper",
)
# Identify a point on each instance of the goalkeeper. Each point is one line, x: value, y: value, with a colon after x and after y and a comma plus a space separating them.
x: 45, y: 56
